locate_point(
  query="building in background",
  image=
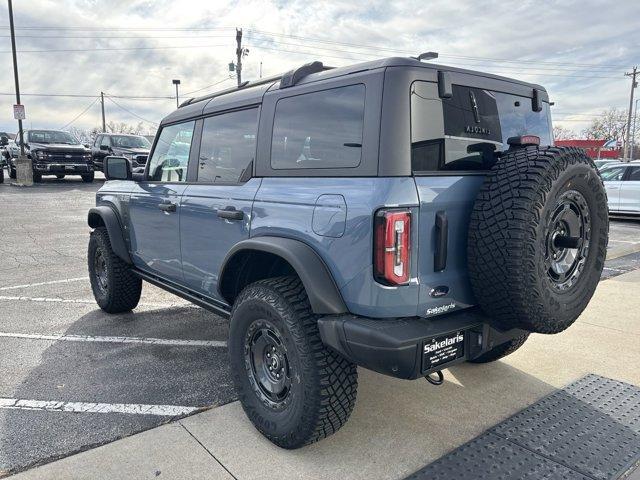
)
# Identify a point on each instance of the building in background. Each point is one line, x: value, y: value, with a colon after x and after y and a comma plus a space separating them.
x: 594, y: 148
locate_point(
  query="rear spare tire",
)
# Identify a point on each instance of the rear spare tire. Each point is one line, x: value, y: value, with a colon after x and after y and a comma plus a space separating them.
x: 538, y: 237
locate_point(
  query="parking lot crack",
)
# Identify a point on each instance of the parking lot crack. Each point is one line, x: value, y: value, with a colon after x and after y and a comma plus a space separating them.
x: 207, y: 450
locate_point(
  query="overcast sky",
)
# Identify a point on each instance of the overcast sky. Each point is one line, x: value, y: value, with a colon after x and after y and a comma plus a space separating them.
x: 579, y: 50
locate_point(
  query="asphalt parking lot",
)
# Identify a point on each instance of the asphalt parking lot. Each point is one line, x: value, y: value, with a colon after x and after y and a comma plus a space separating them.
x: 73, y: 377
x: 44, y: 292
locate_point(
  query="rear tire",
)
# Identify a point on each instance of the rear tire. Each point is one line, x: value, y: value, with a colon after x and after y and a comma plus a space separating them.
x: 1, y: 174
x: 115, y: 288
x: 538, y: 237
x: 501, y: 350
x: 272, y: 325
x: 37, y: 177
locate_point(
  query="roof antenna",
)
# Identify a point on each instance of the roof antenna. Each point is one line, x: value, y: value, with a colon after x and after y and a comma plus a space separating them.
x: 427, y: 56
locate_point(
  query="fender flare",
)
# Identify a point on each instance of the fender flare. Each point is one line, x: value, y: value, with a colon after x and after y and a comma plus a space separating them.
x: 324, y: 295
x: 103, y: 215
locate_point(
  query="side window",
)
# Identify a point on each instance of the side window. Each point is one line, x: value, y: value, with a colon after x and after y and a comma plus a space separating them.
x: 171, y: 155
x: 634, y: 175
x: 613, y: 174
x: 319, y: 129
x: 105, y: 140
x: 228, y: 146
x: 97, y: 141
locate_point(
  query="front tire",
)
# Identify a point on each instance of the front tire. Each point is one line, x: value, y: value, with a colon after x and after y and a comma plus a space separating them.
x: 12, y: 173
x: 37, y: 177
x: 309, y: 391
x: 88, y: 178
x: 115, y: 288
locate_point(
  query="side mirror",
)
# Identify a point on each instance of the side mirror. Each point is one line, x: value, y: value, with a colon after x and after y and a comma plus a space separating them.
x: 4, y: 141
x: 104, y: 147
x: 86, y: 145
x: 117, y: 168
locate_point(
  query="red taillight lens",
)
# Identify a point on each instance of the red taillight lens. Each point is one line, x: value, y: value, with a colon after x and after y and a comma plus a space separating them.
x: 392, y: 246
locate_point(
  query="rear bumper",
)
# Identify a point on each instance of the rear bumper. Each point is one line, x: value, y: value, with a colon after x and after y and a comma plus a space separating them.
x: 396, y: 347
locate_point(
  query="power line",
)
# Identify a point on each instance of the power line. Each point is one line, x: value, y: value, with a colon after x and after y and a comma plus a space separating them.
x: 442, y: 54
x: 473, y: 59
x: 65, y: 50
x: 80, y: 114
x: 130, y: 112
x: 208, y: 86
x: 298, y: 52
x: 73, y: 95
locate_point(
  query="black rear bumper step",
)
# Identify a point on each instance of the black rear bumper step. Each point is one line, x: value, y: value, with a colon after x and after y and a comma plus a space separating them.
x: 395, y: 346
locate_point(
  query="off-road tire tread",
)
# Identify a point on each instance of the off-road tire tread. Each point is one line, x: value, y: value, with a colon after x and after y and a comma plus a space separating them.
x: 125, y: 287
x: 330, y: 405
x: 501, y: 350
x: 502, y: 236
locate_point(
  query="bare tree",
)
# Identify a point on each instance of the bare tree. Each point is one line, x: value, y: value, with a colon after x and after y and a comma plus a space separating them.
x: 610, y: 125
x: 563, y: 133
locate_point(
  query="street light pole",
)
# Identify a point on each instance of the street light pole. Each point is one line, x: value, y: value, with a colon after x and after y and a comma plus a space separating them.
x: 24, y: 171
x: 176, y: 82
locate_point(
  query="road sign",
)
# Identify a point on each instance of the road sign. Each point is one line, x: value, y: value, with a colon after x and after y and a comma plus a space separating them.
x: 18, y: 112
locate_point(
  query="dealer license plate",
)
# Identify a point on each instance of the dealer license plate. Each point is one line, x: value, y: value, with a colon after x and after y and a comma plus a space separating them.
x: 443, y: 349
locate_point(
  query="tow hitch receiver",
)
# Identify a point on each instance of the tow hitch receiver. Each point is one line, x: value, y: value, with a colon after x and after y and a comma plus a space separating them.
x: 439, y: 380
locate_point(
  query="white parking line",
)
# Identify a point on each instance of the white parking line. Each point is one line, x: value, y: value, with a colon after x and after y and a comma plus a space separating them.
x: 53, y: 282
x: 87, y: 301
x: 83, y: 407
x: 111, y: 339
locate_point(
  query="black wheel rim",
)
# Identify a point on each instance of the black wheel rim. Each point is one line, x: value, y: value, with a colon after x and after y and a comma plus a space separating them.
x: 267, y: 364
x: 567, y: 240
x: 100, y: 271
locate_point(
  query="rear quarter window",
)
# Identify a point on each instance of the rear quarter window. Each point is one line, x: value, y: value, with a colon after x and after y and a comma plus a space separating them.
x: 319, y: 130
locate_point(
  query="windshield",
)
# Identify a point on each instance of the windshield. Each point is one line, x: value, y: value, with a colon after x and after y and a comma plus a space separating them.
x: 129, y: 141
x: 50, y: 136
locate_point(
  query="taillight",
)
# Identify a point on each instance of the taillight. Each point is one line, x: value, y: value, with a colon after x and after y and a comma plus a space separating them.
x: 392, y: 246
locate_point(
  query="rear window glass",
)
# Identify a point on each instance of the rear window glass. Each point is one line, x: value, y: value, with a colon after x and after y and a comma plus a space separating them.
x: 319, y: 129
x: 475, y: 124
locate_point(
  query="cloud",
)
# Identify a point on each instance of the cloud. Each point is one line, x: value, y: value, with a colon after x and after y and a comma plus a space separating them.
x: 578, y: 50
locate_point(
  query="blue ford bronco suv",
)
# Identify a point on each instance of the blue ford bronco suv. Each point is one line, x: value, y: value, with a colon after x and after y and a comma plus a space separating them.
x: 397, y: 215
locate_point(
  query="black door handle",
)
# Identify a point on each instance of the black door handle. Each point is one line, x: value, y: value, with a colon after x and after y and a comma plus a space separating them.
x: 230, y: 213
x: 167, y: 207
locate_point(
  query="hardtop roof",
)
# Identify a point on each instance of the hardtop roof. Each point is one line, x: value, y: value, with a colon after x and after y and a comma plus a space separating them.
x: 247, y: 94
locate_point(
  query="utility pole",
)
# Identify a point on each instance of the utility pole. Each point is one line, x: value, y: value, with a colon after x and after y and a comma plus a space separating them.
x: 104, y: 124
x: 633, y: 133
x: 239, y: 55
x: 24, y: 165
x: 634, y: 84
x: 176, y: 82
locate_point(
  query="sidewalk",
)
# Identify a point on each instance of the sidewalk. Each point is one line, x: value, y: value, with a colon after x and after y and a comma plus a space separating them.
x: 397, y: 426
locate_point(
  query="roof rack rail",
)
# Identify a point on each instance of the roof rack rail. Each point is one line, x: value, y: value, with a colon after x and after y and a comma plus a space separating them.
x: 292, y: 77
x: 288, y: 79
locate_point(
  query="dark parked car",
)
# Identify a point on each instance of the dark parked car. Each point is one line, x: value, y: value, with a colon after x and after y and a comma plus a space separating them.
x: 134, y: 148
x: 397, y: 215
x: 53, y: 152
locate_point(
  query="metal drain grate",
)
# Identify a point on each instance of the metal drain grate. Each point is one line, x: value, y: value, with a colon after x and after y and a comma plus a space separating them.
x: 588, y: 430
